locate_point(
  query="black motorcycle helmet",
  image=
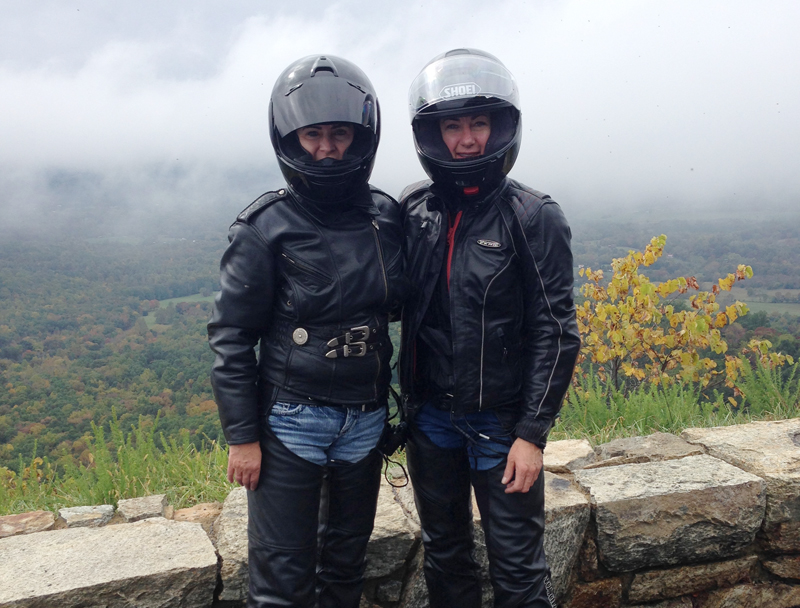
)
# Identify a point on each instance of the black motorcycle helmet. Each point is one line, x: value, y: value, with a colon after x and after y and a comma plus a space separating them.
x: 466, y: 82
x: 321, y: 89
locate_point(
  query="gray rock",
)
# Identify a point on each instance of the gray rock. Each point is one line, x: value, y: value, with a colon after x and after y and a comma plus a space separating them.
x: 26, y: 523
x: 568, y: 455
x: 389, y: 591
x: 393, y: 537
x: 665, y: 584
x: 682, y: 602
x: 567, y: 514
x: 770, y: 450
x: 404, y: 496
x: 86, y: 517
x: 605, y: 593
x: 155, y: 563
x: 415, y: 593
x: 678, y: 511
x: 231, y: 528
x: 652, y: 448
x: 785, y: 566
x: 204, y: 514
x: 775, y: 595
x: 136, y: 509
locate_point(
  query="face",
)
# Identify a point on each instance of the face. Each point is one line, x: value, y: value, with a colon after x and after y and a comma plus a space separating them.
x: 466, y: 136
x: 326, y: 140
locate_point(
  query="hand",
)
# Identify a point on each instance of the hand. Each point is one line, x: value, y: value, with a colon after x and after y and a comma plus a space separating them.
x: 523, y: 466
x: 244, y: 464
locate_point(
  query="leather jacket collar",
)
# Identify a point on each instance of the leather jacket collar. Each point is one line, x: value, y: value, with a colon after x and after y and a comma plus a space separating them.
x: 331, y: 214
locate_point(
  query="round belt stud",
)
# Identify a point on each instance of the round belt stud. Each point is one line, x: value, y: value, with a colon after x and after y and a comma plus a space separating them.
x: 300, y: 336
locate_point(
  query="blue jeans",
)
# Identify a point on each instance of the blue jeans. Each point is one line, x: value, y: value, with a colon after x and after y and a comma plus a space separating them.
x: 486, y: 438
x: 323, y: 434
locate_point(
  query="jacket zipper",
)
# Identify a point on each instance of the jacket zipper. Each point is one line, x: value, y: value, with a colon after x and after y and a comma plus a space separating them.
x: 416, y: 248
x: 451, y: 236
x: 306, y: 268
x: 380, y: 257
x: 385, y: 296
x: 451, y: 244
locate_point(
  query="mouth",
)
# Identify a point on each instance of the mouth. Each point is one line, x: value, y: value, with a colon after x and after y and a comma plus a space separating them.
x: 467, y: 154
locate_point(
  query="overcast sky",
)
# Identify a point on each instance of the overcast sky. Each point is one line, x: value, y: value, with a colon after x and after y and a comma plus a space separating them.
x: 624, y: 102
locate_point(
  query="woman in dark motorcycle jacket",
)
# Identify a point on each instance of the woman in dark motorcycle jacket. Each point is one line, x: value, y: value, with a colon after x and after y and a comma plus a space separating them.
x: 312, y: 273
x: 489, y: 337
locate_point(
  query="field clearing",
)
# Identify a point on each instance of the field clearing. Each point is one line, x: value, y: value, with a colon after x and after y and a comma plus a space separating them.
x: 150, y: 319
x: 193, y: 298
x: 793, y: 308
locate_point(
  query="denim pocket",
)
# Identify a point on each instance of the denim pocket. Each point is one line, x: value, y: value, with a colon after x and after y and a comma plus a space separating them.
x: 287, y: 409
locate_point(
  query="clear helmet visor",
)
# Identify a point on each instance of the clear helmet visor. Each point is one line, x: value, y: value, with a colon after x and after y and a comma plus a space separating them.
x: 467, y: 137
x: 451, y: 81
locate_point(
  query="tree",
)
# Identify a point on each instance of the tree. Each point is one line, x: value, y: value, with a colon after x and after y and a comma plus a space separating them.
x: 633, y: 331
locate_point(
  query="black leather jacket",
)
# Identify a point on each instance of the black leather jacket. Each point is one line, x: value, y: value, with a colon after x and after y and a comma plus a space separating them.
x: 293, y: 277
x: 514, y: 334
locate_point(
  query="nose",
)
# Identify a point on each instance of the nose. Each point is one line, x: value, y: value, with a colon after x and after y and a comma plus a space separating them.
x: 326, y: 143
x: 467, y: 139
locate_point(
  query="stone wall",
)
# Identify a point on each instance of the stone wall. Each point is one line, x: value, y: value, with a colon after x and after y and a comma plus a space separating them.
x: 710, y: 519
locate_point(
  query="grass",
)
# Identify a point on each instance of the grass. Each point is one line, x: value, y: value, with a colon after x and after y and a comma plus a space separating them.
x: 125, y: 466
x: 137, y: 463
x: 592, y: 412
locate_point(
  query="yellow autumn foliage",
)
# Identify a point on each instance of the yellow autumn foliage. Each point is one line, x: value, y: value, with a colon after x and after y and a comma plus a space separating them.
x: 624, y: 336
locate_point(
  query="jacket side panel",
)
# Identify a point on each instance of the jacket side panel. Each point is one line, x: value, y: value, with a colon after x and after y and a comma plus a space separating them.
x: 552, y: 340
x: 422, y: 252
x: 242, y: 312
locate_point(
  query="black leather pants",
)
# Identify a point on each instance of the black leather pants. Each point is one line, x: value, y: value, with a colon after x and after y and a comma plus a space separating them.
x: 308, y: 529
x: 513, y: 525
x: 441, y: 492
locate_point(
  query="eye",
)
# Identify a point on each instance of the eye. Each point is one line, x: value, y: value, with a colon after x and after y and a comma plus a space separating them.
x: 309, y: 134
x: 341, y: 133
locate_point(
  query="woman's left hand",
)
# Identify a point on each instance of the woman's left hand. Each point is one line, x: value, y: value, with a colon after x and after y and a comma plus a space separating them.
x: 244, y: 464
x: 524, y: 464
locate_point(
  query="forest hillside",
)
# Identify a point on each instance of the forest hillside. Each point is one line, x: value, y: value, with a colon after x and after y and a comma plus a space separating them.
x: 91, y: 325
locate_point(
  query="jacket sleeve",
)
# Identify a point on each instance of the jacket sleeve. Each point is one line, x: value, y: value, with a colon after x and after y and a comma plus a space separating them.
x: 552, y: 340
x: 241, y: 313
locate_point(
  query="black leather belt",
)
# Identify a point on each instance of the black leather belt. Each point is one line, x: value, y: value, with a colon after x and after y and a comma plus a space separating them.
x: 354, y: 342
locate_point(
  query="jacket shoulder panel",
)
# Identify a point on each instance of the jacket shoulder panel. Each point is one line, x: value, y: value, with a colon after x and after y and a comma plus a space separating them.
x: 384, y: 202
x: 379, y: 196
x: 525, y: 202
x: 262, y: 202
x: 414, y: 191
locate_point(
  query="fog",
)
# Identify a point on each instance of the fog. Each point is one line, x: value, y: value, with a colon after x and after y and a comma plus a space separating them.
x: 115, y: 117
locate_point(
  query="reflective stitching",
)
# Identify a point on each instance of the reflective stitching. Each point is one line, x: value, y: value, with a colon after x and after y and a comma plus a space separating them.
x: 549, y: 308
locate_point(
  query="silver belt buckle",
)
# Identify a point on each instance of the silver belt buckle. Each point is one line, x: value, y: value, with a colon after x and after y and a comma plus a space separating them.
x: 356, y: 334
x: 354, y: 349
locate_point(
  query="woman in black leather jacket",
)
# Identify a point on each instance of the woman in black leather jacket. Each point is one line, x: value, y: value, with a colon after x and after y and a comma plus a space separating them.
x: 489, y: 337
x: 311, y: 275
